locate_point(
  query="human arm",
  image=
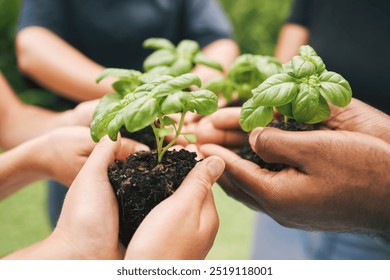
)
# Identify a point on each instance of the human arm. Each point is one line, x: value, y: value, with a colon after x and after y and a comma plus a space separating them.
x: 21, y: 122
x: 88, y: 225
x: 291, y: 37
x: 338, y: 181
x: 184, y: 225
x: 51, y: 61
x: 57, y: 155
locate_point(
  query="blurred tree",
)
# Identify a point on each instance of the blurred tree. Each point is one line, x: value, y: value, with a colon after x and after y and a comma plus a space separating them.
x: 257, y: 23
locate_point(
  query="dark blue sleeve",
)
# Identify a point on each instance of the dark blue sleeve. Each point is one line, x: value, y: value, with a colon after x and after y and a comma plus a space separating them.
x: 205, y: 21
x: 45, y: 13
x: 300, y: 12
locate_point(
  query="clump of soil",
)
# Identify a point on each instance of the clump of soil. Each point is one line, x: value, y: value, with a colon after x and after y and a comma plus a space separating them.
x: 247, y: 153
x: 140, y: 183
x: 145, y: 136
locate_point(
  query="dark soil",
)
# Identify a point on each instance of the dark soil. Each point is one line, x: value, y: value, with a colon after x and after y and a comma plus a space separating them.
x: 145, y: 136
x: 247, y: 153
x: 140, y: 183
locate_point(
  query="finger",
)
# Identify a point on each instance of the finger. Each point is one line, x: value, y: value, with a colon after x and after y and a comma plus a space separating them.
x: 278, y: 146
x: 226, y: 118
x: 209, y: 220
x: 129, y: 146
x: 198, y: 182
x: 253, y: 180
x: 101, y: 157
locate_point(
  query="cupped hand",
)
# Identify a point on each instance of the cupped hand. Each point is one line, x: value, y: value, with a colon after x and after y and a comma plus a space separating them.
x: 184, y: 225
x: 360, y: 117
x: 64, y: 151
x: 89, y: 222
x: 338, y: 181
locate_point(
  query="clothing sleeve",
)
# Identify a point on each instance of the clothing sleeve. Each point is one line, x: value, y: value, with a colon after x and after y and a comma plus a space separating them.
x: 44, y: 13
x: 300, y: 12
x: 205, y: 21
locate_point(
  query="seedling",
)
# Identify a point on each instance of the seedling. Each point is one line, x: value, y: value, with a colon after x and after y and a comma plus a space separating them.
x: 246, y: 72
x: 300, y: 92
x: 166, y: 60
x: 152, y: 101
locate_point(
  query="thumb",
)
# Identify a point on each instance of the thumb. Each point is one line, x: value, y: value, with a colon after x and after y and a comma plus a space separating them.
x: 101, y: 157
x: 197, y: 185
x: 277, y: 146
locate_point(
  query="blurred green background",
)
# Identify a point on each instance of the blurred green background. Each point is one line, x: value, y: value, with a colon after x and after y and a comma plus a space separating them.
x: 23, y: 216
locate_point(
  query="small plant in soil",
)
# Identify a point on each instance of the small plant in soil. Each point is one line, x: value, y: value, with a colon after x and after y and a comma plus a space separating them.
x: 300, y: 94
x: 146, y: 178
x: 167, y: 59
x: 245, y: 73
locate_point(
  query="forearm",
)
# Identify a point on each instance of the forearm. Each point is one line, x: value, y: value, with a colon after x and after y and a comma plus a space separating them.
x: 224, y: 51
x: 58, y: 66
x: 21, y: 166
x: 291, y: 37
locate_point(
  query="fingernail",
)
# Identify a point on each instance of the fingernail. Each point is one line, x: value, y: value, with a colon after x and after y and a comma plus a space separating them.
x: 253, y: 136
x: 140, y: 147
x: 215, y: 166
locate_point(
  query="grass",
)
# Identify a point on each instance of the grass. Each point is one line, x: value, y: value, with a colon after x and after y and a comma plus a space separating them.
x: 24, y: 221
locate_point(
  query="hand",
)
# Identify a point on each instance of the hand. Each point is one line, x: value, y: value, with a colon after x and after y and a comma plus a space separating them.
x: 64, y: 151
x: 81, y: 115
x: 360, y: 117
x: 89, y: 218
x: 338, y: 181
x: 221, y: 127
x: 184, y: 225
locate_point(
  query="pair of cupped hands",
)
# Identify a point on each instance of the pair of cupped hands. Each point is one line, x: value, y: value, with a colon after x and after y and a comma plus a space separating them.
x: 337, y: 181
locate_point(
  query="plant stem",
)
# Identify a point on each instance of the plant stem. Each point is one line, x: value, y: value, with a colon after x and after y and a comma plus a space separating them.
x: 159, y: 141
x: 170, y: 144
x: 285, y: 119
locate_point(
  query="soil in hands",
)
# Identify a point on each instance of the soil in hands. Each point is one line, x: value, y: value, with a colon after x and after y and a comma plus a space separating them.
x: 247, y: 153
x: 145, y: 136
x: 140, y: 183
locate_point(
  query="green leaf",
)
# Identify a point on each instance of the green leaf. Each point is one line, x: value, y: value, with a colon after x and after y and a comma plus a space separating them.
x: 168, y: 120
x: 335, y: 89
x: 305, y: 104
x: 161, y: 57
x: 323, y: 112
x: 286, y: 110
x: 158, y: 43
x: 221, y: 86
x: 277, y: 90
x: 154, y: 74
x: 302, y: 67
x: 118, y: 73
x: 267, y: 66
x: 106, y: 110
x: 200, y: 58
x: 189, y: 137
x: 253, y: 116
x: 124, y: 87
x: 162, y: 132
x: 173, y: 103
x: 187, y: 48
x: 319, y: 63
x: 181, y: 66
x: 202, y: 102
x: 135, y: 116
x: 307, y: 50
x: 287, y: 68
x: 182, y: 82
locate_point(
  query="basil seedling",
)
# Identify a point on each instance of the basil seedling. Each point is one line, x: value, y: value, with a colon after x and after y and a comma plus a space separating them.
x: 300, y: 92
x: 152, y: 101
x: 246, y: 72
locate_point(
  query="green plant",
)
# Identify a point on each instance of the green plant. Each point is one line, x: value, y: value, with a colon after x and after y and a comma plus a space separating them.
x: 301, y: 92
x: 245, y: 73
x: 153, y: 101
x: 166, y: 60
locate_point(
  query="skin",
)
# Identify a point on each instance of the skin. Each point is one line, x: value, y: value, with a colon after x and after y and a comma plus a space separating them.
x: 16, y: 115
x: 86, y: 230
x: 51, y: 61
x: 67, y: 149
x: 338, y: 179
